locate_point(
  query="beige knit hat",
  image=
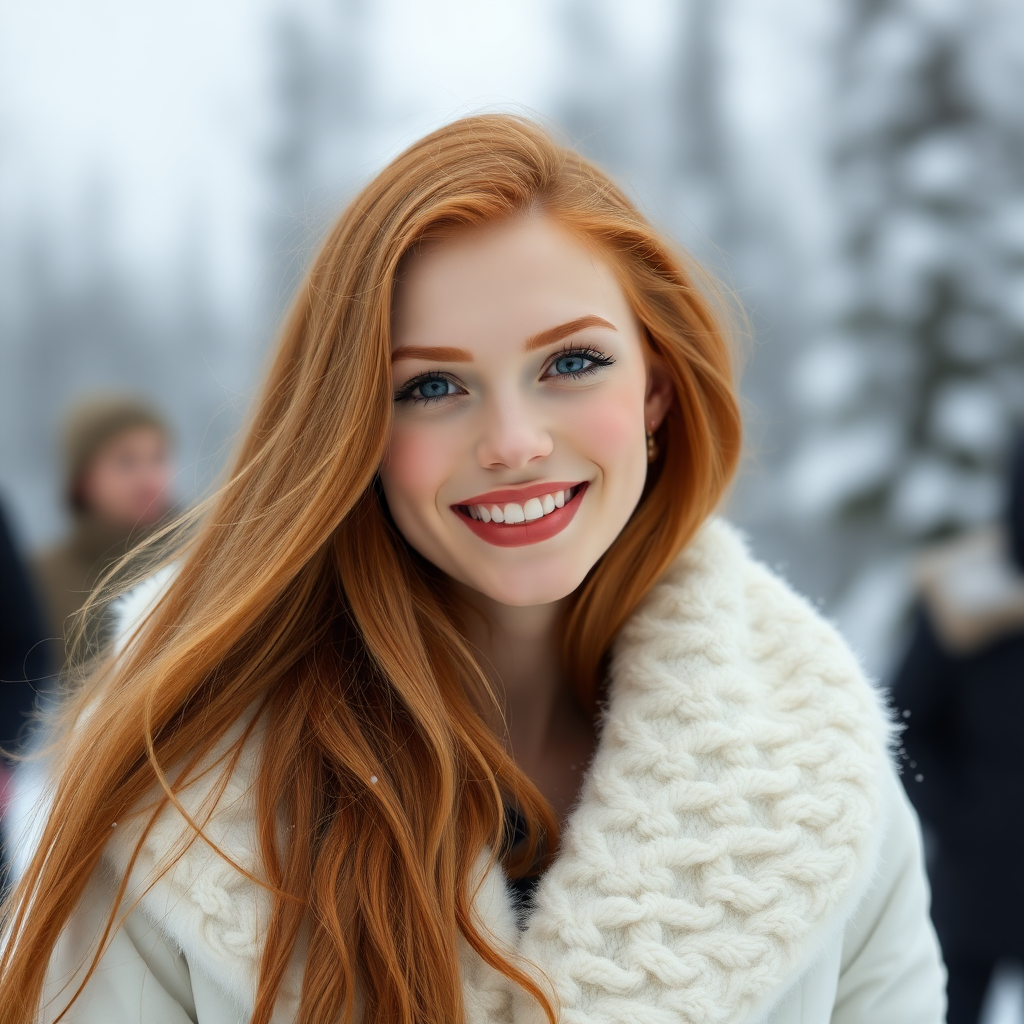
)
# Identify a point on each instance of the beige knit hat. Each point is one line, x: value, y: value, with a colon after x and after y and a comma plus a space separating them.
x: 93, y: 421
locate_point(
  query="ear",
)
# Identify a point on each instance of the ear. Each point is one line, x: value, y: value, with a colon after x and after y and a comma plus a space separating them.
x: 660, y: 394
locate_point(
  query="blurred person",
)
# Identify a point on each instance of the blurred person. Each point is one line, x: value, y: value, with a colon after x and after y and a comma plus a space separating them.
x: 961, y: 690
x: 117, y: 486
x: 23, y: 662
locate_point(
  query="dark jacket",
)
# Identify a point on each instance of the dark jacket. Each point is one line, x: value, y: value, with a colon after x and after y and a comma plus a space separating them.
x: 23, y: 664
x: 962, y: 686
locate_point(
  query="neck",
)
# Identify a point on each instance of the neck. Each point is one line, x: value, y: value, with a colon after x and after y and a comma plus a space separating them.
x: 520, y: 650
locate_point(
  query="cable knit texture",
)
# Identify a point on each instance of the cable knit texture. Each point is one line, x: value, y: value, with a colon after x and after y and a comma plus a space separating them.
x: 212, y: 911
x: 729, y: 822
x: 732, y: 811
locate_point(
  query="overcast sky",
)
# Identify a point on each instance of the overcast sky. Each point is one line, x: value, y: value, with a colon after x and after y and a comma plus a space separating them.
x: 162, y: 107
x: 158, y: 111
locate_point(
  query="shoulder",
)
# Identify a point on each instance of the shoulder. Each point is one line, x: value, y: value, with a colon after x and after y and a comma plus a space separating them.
x: 882, y: 963
x: 195, y: 869
x: 720, y: 619
x: 138, y: 976
x: 52, y: 561
x: 131, y: 608
x: 891, y: 969
x: 193, y: 866
x: 741, y: 730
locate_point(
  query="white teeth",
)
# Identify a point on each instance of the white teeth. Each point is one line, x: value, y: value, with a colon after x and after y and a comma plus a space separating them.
x: 529, y: 511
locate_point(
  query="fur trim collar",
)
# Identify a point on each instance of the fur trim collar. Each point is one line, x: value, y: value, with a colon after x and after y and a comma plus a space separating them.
x: 729, y: 823
x: 973, y: 589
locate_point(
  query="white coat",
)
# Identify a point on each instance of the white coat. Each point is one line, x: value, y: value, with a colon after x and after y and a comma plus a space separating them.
x: 741, y: 850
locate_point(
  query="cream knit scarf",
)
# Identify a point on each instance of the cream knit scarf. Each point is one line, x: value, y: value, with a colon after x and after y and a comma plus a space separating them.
x: 729, y: 822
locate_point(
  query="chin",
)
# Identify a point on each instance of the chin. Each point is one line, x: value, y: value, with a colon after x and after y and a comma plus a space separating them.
x: 524, y: 589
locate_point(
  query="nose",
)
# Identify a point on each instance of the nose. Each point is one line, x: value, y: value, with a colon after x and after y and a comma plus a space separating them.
x: 512, y: 437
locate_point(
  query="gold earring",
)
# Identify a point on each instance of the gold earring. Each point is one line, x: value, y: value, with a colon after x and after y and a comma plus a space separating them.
x: 652, y: 447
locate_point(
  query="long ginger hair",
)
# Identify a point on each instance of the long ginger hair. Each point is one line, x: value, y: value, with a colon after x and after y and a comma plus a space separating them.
x: 296, y: 602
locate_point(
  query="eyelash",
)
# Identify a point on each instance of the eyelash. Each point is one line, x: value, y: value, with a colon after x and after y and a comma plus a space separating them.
x: 597, y: 360
x: 405, y: 392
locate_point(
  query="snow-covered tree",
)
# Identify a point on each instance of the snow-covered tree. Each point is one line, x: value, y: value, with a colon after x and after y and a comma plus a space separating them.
x: 321, y: 86
x: 650, y: 110
x: 77, y: 318
x: 912, y: 388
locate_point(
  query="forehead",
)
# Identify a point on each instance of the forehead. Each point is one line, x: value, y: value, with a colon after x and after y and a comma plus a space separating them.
x: 143, y: 434
x: 503, y: 282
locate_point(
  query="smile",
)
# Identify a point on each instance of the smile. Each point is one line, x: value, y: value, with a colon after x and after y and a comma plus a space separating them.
x: 528, y: 516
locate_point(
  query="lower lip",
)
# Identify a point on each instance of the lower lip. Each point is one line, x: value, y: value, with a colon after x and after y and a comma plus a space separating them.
x: 533, y: 532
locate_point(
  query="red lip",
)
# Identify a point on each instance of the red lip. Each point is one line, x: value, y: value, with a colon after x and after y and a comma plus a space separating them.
x: 519, y: 494
x: 502, y: 535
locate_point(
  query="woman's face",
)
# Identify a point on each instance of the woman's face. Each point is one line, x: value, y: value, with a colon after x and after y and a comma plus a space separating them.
x: 522, y: 397
x: 127, y: 482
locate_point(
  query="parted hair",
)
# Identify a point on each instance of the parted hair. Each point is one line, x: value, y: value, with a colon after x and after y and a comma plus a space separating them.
x: 296, y: 603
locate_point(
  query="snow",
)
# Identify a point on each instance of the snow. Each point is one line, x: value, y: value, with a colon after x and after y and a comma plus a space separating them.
x: 143, y: 102
x: 938, y: 166
x: 941, y: 15
x: 832, y: 466
x: 911, y: 247
x: 870, y: 610
x: 933, y: 491
x: 993, y: 68
x: 972, y: 338
x: 828, y: 377
x: 1006, y: 227
x: 965, y: 417
x: 916, y: 374
x: 925, y: 494
x: 1012, y: 301
x: 882, y: 88
x: 431, y: 62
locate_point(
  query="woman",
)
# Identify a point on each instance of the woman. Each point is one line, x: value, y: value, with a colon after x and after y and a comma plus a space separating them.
x: 117, y: 456
x: 458, y: 616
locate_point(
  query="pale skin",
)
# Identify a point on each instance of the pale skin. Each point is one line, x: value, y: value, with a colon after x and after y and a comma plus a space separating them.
x: 518, y: 362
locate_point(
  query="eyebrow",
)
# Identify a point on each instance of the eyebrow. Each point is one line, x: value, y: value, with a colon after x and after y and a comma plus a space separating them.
x: 460, y: 355
x: 440, y: 353
x: 553, y: 334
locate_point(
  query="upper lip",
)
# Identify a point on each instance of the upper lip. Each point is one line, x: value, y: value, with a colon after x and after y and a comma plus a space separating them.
x: 520, y: 494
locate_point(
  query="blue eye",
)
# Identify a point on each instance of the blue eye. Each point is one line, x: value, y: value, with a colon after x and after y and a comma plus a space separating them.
x: 577, y: 362
x: 427, y: 387
x: 570, y: 364
x: 434, y: 389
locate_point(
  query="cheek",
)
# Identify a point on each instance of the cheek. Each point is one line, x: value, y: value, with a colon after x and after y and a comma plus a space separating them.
x: 417, y: 463
x: 103, y: 480
x: 609, y: 427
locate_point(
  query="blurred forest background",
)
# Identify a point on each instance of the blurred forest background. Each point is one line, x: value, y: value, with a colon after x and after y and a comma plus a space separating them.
x: 854, y: 169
